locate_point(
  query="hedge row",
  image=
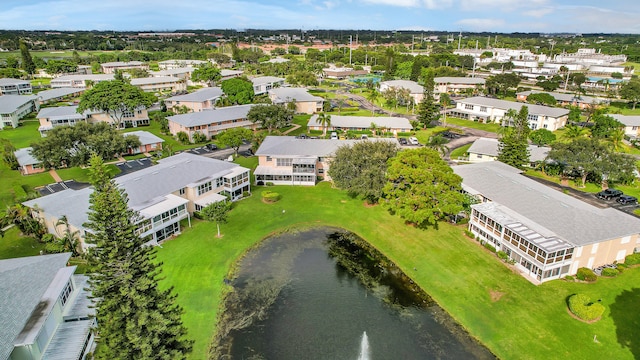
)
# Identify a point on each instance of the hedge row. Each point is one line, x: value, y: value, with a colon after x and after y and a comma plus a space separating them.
x: 270, y: 196
x: 633, y: 259
x: 582, y: 307
x: 586, y: 274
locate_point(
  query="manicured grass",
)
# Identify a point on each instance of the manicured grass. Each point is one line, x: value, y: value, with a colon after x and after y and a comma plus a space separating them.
x: 15, y: 186
x: 169, y: 140
x: 636, y: 66
x: 514, y: 318
x: 493, y: 127
x: 24, y: 135
x: 82, y: 174
x: 13, y: 245
x: 461, y: 151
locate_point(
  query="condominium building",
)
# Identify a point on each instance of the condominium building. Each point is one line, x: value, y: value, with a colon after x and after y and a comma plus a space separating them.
x: 10, y: 86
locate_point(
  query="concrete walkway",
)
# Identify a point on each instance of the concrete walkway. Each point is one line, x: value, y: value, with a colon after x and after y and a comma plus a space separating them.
x: 293, y: 128
x: 55, y: 175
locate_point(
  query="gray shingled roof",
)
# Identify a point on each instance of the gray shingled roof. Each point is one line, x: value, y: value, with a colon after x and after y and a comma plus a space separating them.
x: 265, y: 80
x: 23, y: 281
x: 201, y: 95
x: 146, y: 138
x: 174, y: 71
x: 24, y: 157
x: 293, y: 147
x: 544, y: 208
x: 227, y: 72
x: 338, y: 121
x: 507, y: 105
x: 60, y: 111
x: 11, y: 103
x: 47, y: 95
x: 155, y: 80
x: 459, y: 80
x: 627, y: 120
x: 284, y: 95
x: 212, y: 116
x: 73, y: 204
x: 93, y: 77
x: 123, y: 63
x: 565, y: 97
x: 413, y: 86
x: 11, y: 81
x: 488, y: 146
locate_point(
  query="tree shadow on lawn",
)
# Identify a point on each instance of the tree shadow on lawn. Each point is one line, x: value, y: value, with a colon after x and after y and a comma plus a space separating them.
x: 627, y: 320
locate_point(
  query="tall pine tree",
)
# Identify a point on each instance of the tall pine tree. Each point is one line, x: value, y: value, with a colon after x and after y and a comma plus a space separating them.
x: 136, y: 320
x: 513, y: 147
x: 428, y: 109
x: 27, y: 61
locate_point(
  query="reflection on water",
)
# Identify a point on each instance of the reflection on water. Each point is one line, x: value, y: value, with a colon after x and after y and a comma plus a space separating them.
x: 316, y: 295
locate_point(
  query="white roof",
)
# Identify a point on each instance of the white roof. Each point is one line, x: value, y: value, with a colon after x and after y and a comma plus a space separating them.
x: 509, y: 105
x: 146, y: 138
x: 459, y: 80
x: 488, y: 146
x: 210, y: 199
x: 412, y: 86
x: 627, y: 120
x: 266, y: 80
x: 155, y: 80
x: 25, y: 158
x: 212, y: 116
x: 291, y: 147
x: 122, y: 63
x: 364, y: 122
x: 201, y: 95
x: 11, y: 81
x: 169, y: 202
x: 56, y: 93
x: 11, y: 103
x: 285, y: 95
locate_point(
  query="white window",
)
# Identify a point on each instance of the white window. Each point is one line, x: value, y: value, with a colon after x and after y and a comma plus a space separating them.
x: 594, y: 248
x: 182, y: 191
x: 483, y: 109
x: 590, y: 263
x: 468, y: 107
x: 284, y: 162
x: 204, y: 188
x: 579, y: 251
x: 625, y: 239
x: 621, y: 255
x: 66, y: 293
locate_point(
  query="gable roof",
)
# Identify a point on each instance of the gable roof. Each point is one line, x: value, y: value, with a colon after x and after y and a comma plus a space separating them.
x: 544, y: 209
x: 23, y: 282
x: 459, y: 80
x: 566, y: 97
x: 11, y: 81
x: 627, y: 120
x: 11, y: 103
x: 145, y: 137
x: 283, y: 95
x: 60, y: 112
x: 488, y: 146
x: 413, y: 86
x: 204, y: 94
x: 364, y: 122
x: 212, y: 116
x: 293, y: 147
x: 512, y: 105
x: 265, y: 80
x: 24, y: 157
x: 155, y: 80
x: 56, y: 93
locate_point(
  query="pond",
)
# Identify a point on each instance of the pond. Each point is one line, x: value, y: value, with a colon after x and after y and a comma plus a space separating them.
x: 318, y: 294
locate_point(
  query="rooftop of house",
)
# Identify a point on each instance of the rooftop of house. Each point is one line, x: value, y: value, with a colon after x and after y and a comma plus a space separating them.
x: 566, y: 97
x: 146, y: 138
x: 80, y: 77
x: 183, y: 63
x: 413, y: 86
x: 543, y: 209
x: 459, y: 80
x: 201, y: 95
x: 260, y: 80
x: 60, y: 112
x: 212, y: 116
x: 627, y: 120
x: 512, y: 105
x: 488, y: 146
x: 11, y: 81
x: 300, y: 148
x: 122, y: 63
x: 24, y: 157
x: 285, y: 95
x: 47, y: 95
x: 171, y: 72
x: 155, y: 80
x: 23, y: 284
x: 227, y: 72
x: 364, y: 122
x: 11, y: 103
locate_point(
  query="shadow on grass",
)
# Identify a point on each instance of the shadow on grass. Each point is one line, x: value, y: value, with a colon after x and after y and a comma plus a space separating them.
x: 627, y: 320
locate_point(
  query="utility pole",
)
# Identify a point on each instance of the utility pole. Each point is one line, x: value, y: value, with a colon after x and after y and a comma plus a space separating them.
x: 459, y: 39
x: 350, y: 40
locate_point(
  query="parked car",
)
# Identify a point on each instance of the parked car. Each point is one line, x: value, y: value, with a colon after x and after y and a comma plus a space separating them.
x: 609, y: 194
x: 414, y: 141
x: 211, y: 147
x: 627, y: 199
x: 364, y: 137
x: 334, y: 136
x: 403, y: 141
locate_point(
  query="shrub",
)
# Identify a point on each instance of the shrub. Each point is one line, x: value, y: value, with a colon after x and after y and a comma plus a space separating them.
x: 269, y: 183
x: 569, y: 278
x: 469, y: 234
x: 503, y: 255
x: 582, y: 307
x: 609, y: 272
x: 270, y: 196
x: 183, y: 137
x: 489, y: 247
x: 633, y: 259
x: 621, y: 267
x: 586, y: 274
x: 464, y: 220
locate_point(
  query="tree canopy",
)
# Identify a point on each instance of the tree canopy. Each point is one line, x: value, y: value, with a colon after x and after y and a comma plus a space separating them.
x: 631, y: 91
x: 207, y: 74
x: 115, y: 98
x: 421, y: 188
x: 542, y: 137
x: 67, y: 146
x: 428, y: 109
x: 136, y: 319
x: 605, y: 126
x: 238, y: 91
x: 502, y: 83
x: 60, y: 66
x: 270, y: 117
x: 217, y: 212
x: 27, y: 62
x: 541, y: 99
x: 360, y: 169
x: 234, y: 137
x: 513, y: 144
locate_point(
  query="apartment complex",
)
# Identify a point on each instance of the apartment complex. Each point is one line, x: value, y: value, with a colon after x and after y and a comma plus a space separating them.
x: 15, y: 107
x: 262, y: 84
x: 211, y: 122
x: 391, y: 124
x: 112, y: 67
x: 305, y: 102
x: 10, y: 86
x: 68, y: 115
x: 202, y: 99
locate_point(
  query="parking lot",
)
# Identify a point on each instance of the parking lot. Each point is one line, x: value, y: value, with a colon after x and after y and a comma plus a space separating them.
x: 130, y: 166
x: 63, y: 185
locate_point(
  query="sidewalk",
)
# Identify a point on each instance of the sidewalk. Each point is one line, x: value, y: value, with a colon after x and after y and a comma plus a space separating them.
x: 55, y: 175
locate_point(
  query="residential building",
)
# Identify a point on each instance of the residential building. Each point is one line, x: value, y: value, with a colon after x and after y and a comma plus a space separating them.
x: 211, y: 122
x: 111, y: 67
x: 45, y: 310
x: 489, y: 110
x: 416, y: 91
x: 15, y: 107
x: 457, y: 85
x: 148, y: 142
x: 27, y: 163
x: 81, y: 70
x: 362, y: 123
x: 160, y: 84
x: 631, y: 124
x: 342, y: 72
x: 565, y: 99
x: 79, y: 81
x: 177, y: 64
x: 68, y: 115
x: 202, y: 99
x: 58, y: 94
x: 548, y: 234
x: 226, y: 74
x: 286, y: 160
x: 163, y: 195
x: 10, y: 86
x: 305, y: 102
x: 262, y: 84
x: 486, y: 149
x: 183, y: 73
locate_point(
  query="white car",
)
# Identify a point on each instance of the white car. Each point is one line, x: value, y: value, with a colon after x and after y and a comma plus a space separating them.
x: 413, y: 141
x: 334, y: 136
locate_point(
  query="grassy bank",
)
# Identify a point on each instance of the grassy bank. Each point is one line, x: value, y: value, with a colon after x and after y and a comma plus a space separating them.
x: 513, y: 317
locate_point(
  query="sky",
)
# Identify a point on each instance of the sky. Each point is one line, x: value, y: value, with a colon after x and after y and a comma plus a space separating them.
x: 504, y: 16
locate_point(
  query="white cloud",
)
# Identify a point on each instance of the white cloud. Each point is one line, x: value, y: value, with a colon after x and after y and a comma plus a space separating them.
x: 478, y: 24
x: 400, y: 3
x: 538, y: 13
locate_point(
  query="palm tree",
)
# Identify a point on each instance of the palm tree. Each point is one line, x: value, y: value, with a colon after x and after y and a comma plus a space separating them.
x: 575, y: 131
x: 438, y: 143
x: 616, y: 137
x: 324, y: 120
x: 340, y: 102
x: 372, y: 97
x: 445, y: 101
x: 68, y: 238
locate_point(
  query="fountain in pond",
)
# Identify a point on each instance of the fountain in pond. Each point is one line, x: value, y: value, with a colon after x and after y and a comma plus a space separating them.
x: 364, y: 347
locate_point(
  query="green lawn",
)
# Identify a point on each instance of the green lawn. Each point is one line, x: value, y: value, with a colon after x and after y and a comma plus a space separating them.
x: 632, y: 189
x: 16, y: 186
x: 24, y: 135
x: 13, y: 245
x: 493, y: 127
x: 514, y: 318
x: 461, y: 151
x: 82, y: 174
